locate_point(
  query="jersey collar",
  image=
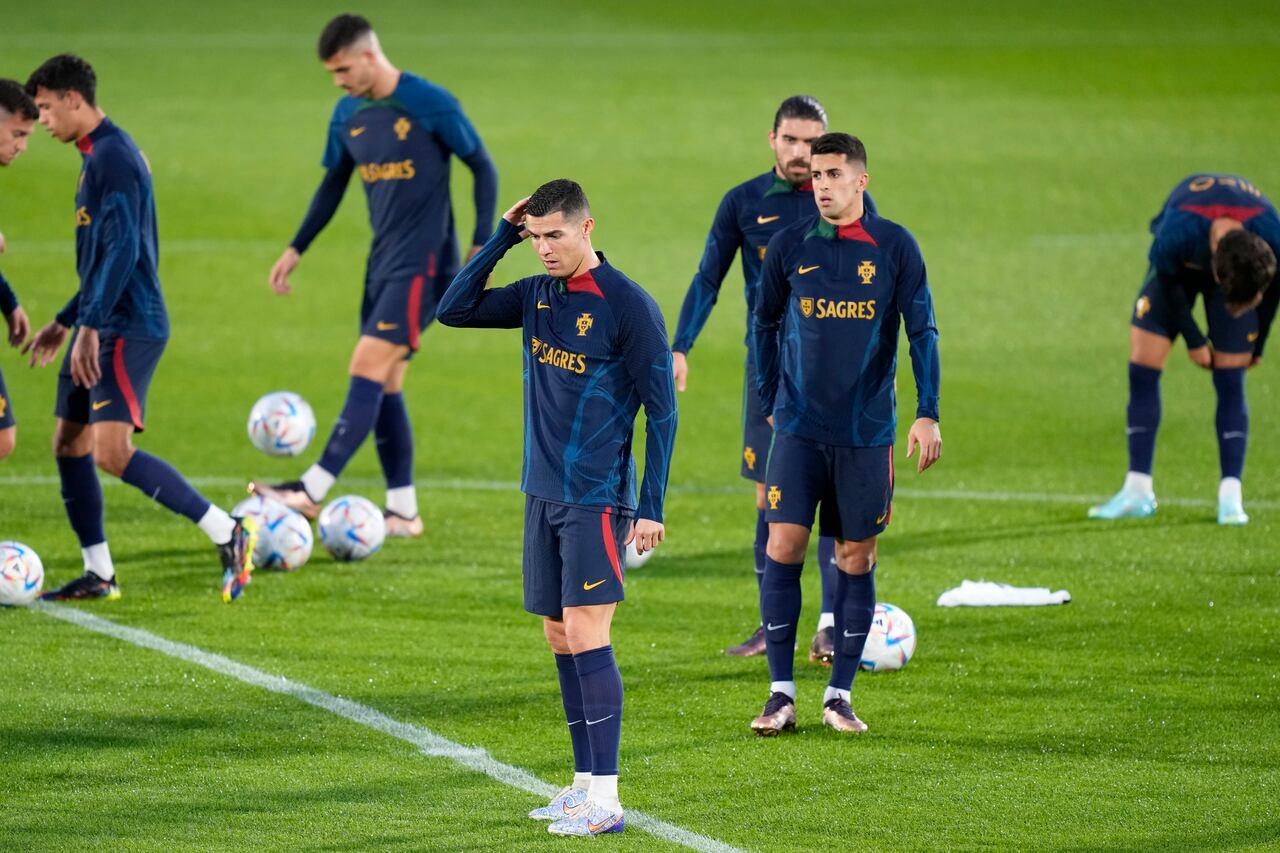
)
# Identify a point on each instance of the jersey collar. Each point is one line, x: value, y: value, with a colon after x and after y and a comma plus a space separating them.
x: 853, y: 231
x: 585, y: 282
x: 85, y: 143
x: 781, y: 186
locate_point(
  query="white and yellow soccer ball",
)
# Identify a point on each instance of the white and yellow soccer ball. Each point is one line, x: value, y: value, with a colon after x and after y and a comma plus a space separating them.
x: 635, y: 559
x: 284, y: 536
x: 352, y: 528
x: 281, y: 424
x: 21, y: 574
x: 891, y: 641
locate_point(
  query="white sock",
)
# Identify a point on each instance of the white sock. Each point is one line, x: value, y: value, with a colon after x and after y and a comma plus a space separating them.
x: 217, y: 525
x: 403, y: 501
x: 604, y: 792
x: 317, y: 482
x: 1140, y: 483
x: 97, y: 560
x: 582, y: 780
x: 826, y: 620
x: 1230, y: 489
x: 833, y: 693
x: 787, y: 687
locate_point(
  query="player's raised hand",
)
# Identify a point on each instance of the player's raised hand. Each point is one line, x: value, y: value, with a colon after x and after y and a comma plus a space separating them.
x: 19, y: 327
x: 44, y: 345
x: 1202, y: 356
x: 680, y: 367
x: 924, y: 433
x: 515, y: 215
x: 646, y: 534
x: 279, y: 278
x: 85, y: 370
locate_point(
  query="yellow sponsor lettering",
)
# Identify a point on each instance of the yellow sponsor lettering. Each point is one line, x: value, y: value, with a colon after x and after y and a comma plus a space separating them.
x: 556, y: 357
x: 397, y: 170
x: 843, y: 309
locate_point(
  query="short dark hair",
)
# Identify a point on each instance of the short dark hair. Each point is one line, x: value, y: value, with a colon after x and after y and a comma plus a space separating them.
x: 561, y: 195
x: 840, y: 143
x: 1244, y: 265
x: 15, y: 100
x: 65, y: 72
x: 804, y: 107
x: 340, y: 33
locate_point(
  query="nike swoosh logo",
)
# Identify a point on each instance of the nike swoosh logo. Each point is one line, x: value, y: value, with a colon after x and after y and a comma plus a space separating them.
x: 1132, y: 430
x: 765, y: 220
x: 542, y: 305
x: 773, y: 627
x: 851, y: 636
x: 386, y: 327
x: 356, y: 131
x: 575, y: 722
x: 881, y: 519
x: 1227, y: 435
x: 804, y: 269
x: 591, y: 586
x: 601, y: 720
x: 102, y: 405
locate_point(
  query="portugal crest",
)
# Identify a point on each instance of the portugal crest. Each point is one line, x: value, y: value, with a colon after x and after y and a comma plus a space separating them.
x: 774, y: 495
x: 1144, y: 305
x: 583, y: 324
x: 401, y: 127
x: 806, y: 306
x: 748, y: 454
x: 866, y: 271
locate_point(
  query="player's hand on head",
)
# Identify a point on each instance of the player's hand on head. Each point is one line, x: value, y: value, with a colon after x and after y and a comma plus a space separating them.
x: 19, y: 327
x: 1201, y: 356
x: 85, y: 370
x: 646, y: 534
x: 680, y: 367
x: 44, y: 345
x: 279, y: 278
x: 515, y: 215
x: 925, y: 435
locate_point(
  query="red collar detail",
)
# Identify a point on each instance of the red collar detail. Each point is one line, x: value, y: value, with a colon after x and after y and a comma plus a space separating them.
x: 806, y: 187
x: 1222, y: 211
x: 585, y: 283
x: 855, y: 231
x: 85, y: 144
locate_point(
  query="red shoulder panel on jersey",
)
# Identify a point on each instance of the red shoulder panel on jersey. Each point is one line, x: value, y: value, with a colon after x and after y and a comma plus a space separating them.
x: 585, y: 283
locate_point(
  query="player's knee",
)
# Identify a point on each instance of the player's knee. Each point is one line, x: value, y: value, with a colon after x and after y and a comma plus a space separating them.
x: 786, y: 547
x: 856, y: 557
x: 1228, y: 360
x: 553, y: 629
x: 8, y: 440
x: 112, y: 456
x: 69, y: 443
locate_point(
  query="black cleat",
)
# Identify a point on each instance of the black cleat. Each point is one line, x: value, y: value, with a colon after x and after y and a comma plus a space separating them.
x: 88, y: 585
x: 750, y: 647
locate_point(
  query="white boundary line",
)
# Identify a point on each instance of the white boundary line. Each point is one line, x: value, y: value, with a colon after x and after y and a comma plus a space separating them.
x: 428, y: 742
x: 468, y: 485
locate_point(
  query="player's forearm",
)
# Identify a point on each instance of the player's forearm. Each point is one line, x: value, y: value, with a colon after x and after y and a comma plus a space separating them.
x: 660, y: 439
x: 8, y: 299
x: 484, y: 176
x: 764, y: 340
x: 1266, y: 316
x: 694, y: 313
x: 461, y: 303
x: 927, y: 367
x: 324, y: 204
x: 1186, y: 321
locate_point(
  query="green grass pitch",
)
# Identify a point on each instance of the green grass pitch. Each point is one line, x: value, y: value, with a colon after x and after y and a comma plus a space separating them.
x: 1026, y: 145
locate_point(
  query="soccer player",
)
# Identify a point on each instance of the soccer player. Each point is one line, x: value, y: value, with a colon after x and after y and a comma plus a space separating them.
x: 1217, y: 236
x: 595, y: 350
x: 832, y: 293
x: 749, y: 214
x: 122, y: 328
x: 397, y: 131
x: 18, y: 114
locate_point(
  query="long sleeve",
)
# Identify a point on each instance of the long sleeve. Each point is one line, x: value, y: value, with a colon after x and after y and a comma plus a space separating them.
x: 648, y: 361
x: 118, y: 246
x: 484, y: 192
x: 8, y: 299
x: 70, y: 312
x: 325, y: 201
x: 1181, y: 305
x: 915, y: 303
x: 722, y: 244
x: 771, y: 304
x: 468, y: 303
x: 1266, y: 314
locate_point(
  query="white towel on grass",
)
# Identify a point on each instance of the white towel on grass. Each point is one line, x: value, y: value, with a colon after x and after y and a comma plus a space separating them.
x: 990, y: 594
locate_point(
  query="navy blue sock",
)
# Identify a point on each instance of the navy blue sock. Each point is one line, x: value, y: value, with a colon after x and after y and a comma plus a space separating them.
x: 855, y: 608
x: 159, y: 481
x: 1232, y: 419
x: 761, y: 543
x: 571, y: 695
x: 780, y: 607
x: 82, y: 497
x: 364, y: 398
x: 601, y: 685
x: 393, y: 435
x: 1144, y: 416
x: 827, y: 565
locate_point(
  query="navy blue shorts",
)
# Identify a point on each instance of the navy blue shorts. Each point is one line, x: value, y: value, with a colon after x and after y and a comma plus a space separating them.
x: 127, y: 366
x: 1154, y: 313
x: 399, y: 310
x: 6, y: 407
x: 572, y: 556
x: 851, y: 487
x: 756, y: 432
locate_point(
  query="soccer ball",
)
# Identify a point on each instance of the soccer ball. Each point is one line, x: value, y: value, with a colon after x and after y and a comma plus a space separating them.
x: 21, y: 574
x: 891, y: 641
x: 634, y: 559
x: 352, y: 528
x: 281, y: 424
x: 284, y: 536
